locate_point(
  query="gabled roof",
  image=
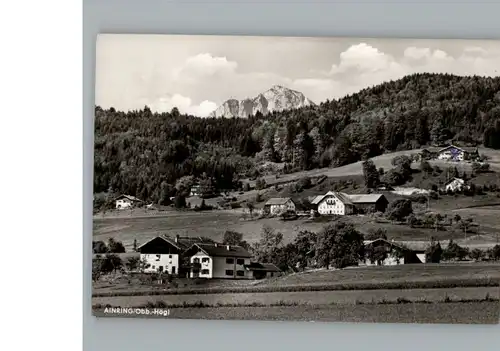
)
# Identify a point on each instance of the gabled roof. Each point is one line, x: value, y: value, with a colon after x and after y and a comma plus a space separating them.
x: 183, y: 243
x: 129, y: 197
x: 415, y: 246
x: 341, y: 196
x: 262, y: 267
x: 365, y: 198
x: 466, y: 149
x: 454, y: 180
x: 220, y: 250
x: 278, y: 201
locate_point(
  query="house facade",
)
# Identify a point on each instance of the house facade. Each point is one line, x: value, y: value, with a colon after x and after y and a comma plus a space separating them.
x: 381, y: 252
x: 333, y: 203
x: 163, y: 254
x: 457, y: 154
x: 123, y: 202
x: 276, y: 206
x: 263, y: 270
x: 219, y: 261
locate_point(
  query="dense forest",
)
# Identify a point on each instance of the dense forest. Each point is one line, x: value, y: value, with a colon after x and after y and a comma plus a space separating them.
x: 149, y: 155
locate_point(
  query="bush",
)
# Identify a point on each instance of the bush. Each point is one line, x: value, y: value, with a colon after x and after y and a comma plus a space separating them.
x: 260, y: 184
x: 399, y: 209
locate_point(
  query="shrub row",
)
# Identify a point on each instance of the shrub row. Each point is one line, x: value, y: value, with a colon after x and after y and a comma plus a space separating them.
x: 442, y: 284
x: 201, y: 304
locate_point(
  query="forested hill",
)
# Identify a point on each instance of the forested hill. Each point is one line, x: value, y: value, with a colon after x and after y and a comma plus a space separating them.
x: 144, y: 154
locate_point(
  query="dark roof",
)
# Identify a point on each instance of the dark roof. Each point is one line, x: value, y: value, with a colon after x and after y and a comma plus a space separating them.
x: 220, y: 250
x: 277, y: 201
x: 182, y: 243
x: 465, y: 148
x: 129, y: 197
x: 411, y: 246
x: 262, y: 267
x: 365, y: 198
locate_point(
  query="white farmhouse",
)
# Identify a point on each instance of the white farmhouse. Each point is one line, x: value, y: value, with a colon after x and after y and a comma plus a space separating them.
x: 123, y: 202
x: 333, y: 203
x: 162, y: 253
x: 279, y: 205
x: 457, y: 154
x: 455, y: 184
x: 219, y: 261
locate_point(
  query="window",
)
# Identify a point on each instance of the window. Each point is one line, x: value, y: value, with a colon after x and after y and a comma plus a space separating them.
x: 205, y: 271
x: 160, y: 268
x: 230, y: 272
x: 169, y: 256
x: 153, y: 267
x: 158, y: 257
x: 240, y: 273
x: 196, y: 260
x: 205, y: 259
x: 240, y: 261
x: 229, y: 261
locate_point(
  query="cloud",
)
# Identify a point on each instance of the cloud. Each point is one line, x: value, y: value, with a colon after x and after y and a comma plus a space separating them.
x: 183, y: 103
x: 204, y: 66
x: 203, y: 81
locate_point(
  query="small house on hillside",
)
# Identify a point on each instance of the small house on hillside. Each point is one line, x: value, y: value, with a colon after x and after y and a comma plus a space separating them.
x: 163, y: 254
x: 333, y: 203
x: 219, y: 261
x: 458, y: 154
x: 278, y: 205
x: 126, y: 201
x: 365, y: 203
x: 263, y: 270
x: 195, y: 190
x: 381, y: 252
x: 455, y: 184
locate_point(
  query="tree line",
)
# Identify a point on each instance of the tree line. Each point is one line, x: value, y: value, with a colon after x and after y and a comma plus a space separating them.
x: 144, y: 153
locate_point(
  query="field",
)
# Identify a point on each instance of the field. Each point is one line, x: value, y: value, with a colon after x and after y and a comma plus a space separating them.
x: 213, y: 224
x: 463, y: 313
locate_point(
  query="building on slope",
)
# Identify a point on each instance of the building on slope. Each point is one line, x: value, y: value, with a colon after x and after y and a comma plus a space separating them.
x: 164, y: 254
x: 369, y: 203
x: 333, y: 203
x: 279, y: 205
x: 381, y: 252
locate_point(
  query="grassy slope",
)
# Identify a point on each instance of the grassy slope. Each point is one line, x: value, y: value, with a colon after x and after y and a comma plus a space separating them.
x: 382, y: 161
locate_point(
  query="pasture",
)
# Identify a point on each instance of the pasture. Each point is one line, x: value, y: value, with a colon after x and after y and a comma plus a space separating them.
x: 213, y: 224
x: 445, y: 313
x: 382, y: 161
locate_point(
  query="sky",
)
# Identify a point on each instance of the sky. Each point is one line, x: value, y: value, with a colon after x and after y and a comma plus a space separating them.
x: 198, y: 73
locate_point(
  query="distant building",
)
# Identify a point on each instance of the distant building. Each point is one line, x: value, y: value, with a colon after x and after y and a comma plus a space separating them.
x: 395, y: 252
x: 163, y: 254
x: 458, y: 154
x: 279, y: 205
x: 333, y: 203
x: 455, y: 184
x: 126, y: 201
x: 337, y: 203
x: 219, y: 261
x: 195, y: 190
x: 263, y: 270
x: 365, y: 203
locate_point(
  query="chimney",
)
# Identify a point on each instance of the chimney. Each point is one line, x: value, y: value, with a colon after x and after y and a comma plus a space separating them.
x: 227, y: 247
x: 177, y: 238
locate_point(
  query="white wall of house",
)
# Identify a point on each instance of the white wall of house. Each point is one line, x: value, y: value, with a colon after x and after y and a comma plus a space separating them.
x: 389, y: 261
x: 168, y: 263
x: 448, y: 155
x: 277, y: 209
x: 454, y: 185
x: 331, y: 205
x: 123, y: 204
x: 421, y: 257
x: 221, y: 267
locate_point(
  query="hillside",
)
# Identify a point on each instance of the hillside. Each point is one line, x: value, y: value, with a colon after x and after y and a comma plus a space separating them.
x: 145, y: 154
x: 278, y: 98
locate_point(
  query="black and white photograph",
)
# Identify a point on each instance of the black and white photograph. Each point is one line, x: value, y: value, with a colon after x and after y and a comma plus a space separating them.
x: 296, y: 179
